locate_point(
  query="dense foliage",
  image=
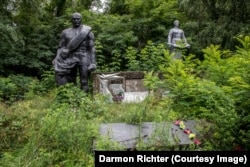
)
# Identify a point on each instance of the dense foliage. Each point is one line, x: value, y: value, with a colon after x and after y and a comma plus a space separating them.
x: 216, y: 22
x: 30, y: 29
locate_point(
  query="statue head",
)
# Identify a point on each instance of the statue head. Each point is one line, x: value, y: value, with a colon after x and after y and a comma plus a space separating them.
x: 76, y: 19
x: 176, y: 23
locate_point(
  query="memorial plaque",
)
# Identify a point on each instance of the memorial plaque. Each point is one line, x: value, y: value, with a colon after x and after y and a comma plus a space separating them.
x: 116, y: 88
x: 134, y: 96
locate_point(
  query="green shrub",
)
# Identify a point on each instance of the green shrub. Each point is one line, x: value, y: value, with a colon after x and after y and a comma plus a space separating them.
x: 14, y: 87
x: 148, y: 58
x: 18, y: 87
x: 199, y: 98
x: 13, y: 130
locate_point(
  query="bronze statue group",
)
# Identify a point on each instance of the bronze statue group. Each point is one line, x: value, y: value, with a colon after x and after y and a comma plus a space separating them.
x: 76, y: 51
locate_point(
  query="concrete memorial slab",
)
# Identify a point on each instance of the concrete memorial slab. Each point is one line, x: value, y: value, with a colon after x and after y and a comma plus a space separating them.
x: 147, y: 134
x: 122, y: 133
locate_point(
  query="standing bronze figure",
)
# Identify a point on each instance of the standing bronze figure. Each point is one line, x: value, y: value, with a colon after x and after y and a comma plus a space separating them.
x: 177, y: 40
x: 76, y: 52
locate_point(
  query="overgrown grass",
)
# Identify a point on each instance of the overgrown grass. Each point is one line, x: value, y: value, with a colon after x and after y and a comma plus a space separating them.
x: 58, y: 128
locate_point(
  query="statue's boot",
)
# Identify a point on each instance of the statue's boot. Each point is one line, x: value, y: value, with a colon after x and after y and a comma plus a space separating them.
x: 85, y: 87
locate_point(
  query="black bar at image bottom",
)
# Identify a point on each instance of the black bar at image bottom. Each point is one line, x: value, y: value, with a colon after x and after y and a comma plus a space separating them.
x: 171, y: 158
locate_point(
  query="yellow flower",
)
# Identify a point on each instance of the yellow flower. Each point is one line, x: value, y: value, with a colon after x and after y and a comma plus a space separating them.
x: 182, y: 126
x: 191, y: 135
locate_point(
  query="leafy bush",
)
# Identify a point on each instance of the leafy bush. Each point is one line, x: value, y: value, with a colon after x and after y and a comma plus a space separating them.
x: 240, y: 84
x: 148, y: 58
x: 13, y: 130
x: 14, y: 87
x: 19, y: 87
x: 195, y: 97
x: 18, y: 120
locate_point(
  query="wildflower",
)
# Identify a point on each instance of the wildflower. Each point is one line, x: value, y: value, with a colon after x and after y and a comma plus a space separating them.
x: 187, y: 131
x: 182, y: 126
x: 191, y: 135
x: 197, y: 142
x: 177, y: 122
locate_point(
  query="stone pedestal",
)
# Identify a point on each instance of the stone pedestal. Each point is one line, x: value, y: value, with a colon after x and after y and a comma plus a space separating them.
x: 132, y: 81
x: 129, y: 84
